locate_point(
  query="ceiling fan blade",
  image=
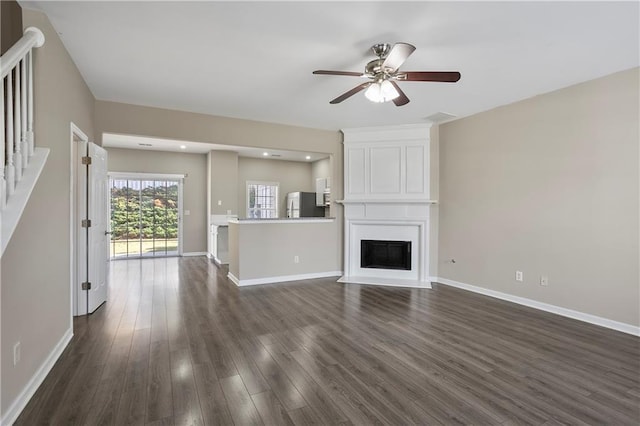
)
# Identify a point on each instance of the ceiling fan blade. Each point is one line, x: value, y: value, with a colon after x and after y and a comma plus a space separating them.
x: 350, y: 93
x: 349, y: 73
x: 402, y: 99
x: 441, y: 76
x: 398, y: 54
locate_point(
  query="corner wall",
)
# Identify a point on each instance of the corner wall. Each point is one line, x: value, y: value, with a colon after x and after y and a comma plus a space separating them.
x: 548, y: 186
x: 36, y: 289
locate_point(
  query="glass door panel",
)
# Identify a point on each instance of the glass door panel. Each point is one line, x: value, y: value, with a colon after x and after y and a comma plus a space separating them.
x: 171, y: 218
x: 144, y: 218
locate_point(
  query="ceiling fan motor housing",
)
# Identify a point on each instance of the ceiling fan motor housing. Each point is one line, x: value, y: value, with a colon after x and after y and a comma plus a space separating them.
x: 381, y: 49
x: 374, y: 68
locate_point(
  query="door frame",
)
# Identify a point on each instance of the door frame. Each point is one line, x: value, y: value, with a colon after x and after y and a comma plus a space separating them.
x: 159, y: 176
x: 77, y: 135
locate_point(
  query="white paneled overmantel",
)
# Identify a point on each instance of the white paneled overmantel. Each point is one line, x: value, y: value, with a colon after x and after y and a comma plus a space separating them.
x: 387, y: 198
x: 387, y: 163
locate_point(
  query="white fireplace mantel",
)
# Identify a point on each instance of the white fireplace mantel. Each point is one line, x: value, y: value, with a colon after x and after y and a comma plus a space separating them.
x: 387, y: 197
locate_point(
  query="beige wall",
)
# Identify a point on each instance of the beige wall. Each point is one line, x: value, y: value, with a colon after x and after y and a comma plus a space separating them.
x: 36, y: 301
x: 548, y: 186
x: 434, y: 193
x: 320, y: 169
x: 223, y: 181
x: 309, y: 241
x: 171, y: 124
x: 194, y: 226
x: 292, y: 176
x: 10, y: 24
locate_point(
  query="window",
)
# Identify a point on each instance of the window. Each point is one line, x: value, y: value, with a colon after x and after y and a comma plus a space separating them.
x: 262, y: 200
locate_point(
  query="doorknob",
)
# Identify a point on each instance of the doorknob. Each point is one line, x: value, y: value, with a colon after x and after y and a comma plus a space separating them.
x: 107, y: 232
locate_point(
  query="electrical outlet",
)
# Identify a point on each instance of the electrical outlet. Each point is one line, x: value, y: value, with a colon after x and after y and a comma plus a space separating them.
x: 296, y: 259
x: 219, y: 202
x: 544, y: 280
x: 519, y: 276
x: 16, y: 353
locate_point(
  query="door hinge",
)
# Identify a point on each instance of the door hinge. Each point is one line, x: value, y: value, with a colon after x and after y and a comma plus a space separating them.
x: 86, y: 223
x: 86, y: 286
x: 86, y: 160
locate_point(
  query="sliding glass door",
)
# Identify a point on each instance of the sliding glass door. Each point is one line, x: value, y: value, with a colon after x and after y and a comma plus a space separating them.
x: 145, y: 217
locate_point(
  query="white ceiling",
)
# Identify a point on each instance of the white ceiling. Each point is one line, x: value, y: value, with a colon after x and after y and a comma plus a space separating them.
x: 254, y: 60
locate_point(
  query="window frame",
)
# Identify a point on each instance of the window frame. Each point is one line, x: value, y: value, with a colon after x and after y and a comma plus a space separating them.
x: 275, y: 209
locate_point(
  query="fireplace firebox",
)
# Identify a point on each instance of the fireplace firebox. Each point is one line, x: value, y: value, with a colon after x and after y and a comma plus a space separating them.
x: 379, y: 254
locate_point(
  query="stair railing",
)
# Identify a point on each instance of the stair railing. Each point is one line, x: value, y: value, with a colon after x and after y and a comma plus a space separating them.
x: 16, y: 127
x: 21, y: 163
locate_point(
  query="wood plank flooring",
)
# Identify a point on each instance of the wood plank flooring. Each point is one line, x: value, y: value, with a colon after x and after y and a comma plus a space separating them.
x: 178, y: 344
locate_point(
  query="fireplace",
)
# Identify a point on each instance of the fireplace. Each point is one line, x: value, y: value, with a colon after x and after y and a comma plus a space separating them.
x: 380, y: 254
x: 387, y: 206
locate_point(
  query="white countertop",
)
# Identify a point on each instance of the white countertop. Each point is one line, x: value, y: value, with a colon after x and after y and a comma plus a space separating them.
x: 284, y: 220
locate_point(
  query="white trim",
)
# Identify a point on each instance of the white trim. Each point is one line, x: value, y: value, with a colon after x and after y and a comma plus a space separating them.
x: 139, y: 175
x: 386, y: 201
x: 233, y: 279
x: 195, y: 253
x: 32, y: 386
x: 74, y: 223
x: 18, y: 201
x: 281, y: 279
x: 386, y: 133
x: 558, y: 310
x: 269, y: 221
x: 386, y: 282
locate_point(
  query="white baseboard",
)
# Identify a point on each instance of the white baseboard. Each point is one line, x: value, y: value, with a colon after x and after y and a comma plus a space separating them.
x: 23, y: 398
x: 233, y: 279
x: 195, y: 253
x: 284, y: 278
x: 558, y: 310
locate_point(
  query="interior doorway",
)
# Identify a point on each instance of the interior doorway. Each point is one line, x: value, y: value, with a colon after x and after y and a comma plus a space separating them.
x: 145, y: 216
x: 89, y: 224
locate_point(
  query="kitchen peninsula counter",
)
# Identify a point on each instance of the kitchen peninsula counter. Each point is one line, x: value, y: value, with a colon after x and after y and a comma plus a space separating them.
x: 285, y: 220
x: 263, y: 251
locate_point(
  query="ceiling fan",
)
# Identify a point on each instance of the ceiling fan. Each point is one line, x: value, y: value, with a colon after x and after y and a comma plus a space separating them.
x: 384, y: 72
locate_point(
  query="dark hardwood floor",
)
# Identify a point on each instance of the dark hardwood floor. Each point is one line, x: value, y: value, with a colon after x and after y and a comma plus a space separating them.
x: 177, y: 343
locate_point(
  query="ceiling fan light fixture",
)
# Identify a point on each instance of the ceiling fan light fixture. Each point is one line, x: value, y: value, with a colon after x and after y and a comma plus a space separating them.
x: 381, y: 91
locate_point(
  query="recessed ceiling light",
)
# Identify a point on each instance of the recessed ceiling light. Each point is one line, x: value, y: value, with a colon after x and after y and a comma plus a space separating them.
x: 308, y: 157
x: 183, y: 147
x: 266, y: 154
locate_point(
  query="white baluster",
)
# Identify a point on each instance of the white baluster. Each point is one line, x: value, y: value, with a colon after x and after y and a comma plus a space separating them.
x: 10, y: 173
x: 23, y: 113
x: 30, y: 137
x: 3, y: 183
x: 17, y: 159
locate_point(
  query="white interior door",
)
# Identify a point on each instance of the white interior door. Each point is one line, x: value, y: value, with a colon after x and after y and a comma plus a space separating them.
x: 98, y: 241
x: 93, y: 257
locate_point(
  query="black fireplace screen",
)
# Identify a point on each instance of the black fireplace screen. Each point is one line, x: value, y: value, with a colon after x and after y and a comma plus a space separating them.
x: 385, y: 254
